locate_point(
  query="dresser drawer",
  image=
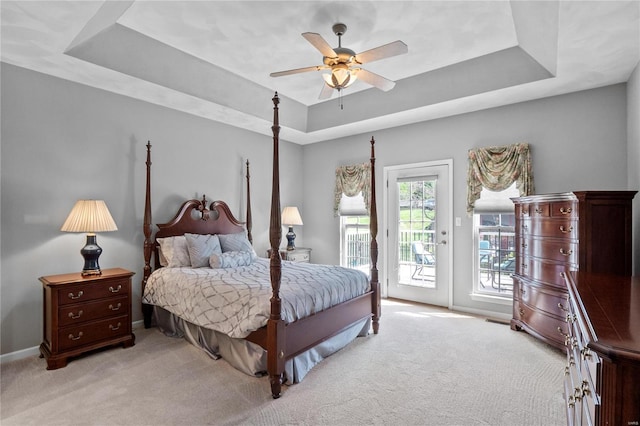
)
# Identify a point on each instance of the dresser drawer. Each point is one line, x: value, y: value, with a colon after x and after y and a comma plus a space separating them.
x: 79, y: 313
x: 84, y: 334
x: 543, y: 298
x: 540, y: 323
x: 564, y: 209
x: 93, y: 290
x: 540, y: 210
x: 551, y: 227
x: 546, y: 271
x: 551, y: 248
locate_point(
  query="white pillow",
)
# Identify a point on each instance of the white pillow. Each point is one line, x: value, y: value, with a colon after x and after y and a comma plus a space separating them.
x: 236, y: 242
x: 175, y: 251
x: 231, y: 259
x: 201, y: 247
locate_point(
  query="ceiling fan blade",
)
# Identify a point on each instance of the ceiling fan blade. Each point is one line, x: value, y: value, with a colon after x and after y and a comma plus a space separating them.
x: 298, y: 70
x: 326, y: 91
x: 376, y: 80
x: 392, y: 49
x: 320, y: 44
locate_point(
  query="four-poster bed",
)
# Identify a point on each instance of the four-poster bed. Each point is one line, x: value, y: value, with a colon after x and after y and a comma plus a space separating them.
x: 293, y: 339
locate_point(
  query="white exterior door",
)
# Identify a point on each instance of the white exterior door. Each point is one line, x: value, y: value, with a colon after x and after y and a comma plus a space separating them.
x: 418, y: 223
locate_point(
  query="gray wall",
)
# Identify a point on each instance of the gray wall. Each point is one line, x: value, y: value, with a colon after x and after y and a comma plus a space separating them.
x: 63, y: 141
x: 578, y: 142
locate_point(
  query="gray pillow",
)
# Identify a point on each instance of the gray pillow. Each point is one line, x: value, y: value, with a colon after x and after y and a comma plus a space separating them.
x: 236, y: 242
x: 201, y: 247
x: 231, y: 259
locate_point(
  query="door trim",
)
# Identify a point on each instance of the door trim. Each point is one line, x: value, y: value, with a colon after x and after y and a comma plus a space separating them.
x: 385, y: 222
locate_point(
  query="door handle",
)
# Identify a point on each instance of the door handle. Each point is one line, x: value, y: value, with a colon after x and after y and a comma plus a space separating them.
x: 441, y: 243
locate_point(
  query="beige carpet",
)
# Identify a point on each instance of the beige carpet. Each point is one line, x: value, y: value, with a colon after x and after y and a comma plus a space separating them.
x: 428, y: 366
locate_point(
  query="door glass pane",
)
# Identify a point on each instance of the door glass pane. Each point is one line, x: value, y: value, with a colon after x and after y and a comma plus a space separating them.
x: 416, y: 232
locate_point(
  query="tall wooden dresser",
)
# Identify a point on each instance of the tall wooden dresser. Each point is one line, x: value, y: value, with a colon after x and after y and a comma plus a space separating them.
x: 588, y: 231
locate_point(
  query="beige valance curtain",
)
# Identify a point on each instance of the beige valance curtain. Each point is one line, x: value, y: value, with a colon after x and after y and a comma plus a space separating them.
x: 496, y: 168
x: 350, y: 181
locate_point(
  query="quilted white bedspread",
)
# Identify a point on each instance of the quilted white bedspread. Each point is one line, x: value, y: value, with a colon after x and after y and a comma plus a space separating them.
x: 235, y: 301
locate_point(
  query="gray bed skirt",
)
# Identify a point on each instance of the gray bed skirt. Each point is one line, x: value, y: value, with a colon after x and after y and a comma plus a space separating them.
x: 249, y: 357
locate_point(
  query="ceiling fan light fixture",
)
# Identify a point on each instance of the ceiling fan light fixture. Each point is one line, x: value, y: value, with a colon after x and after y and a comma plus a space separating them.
x: 341, y: 77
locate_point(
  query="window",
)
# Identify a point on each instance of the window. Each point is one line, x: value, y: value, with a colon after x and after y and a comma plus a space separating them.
x: 495, y: 174
x: 494, y: 236
x: 355, y: 236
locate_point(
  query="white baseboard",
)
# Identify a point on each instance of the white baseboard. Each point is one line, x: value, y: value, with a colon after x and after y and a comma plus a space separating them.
x: 483, y: 313
x: 24, y: 353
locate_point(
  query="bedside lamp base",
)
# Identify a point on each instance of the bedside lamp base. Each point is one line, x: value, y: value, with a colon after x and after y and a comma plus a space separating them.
x: 91, y: 252
x: 291, y: 236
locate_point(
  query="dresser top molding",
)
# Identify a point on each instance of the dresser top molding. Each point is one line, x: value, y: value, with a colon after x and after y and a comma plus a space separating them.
x: 611, y: 306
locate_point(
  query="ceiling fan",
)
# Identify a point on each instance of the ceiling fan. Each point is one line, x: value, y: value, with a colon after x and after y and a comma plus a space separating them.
x: 345, y: 64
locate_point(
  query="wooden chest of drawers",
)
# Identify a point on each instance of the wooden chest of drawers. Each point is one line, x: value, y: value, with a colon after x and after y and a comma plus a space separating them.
x: 588, y: 231
x: 85, y: 313
x: 602, y: 376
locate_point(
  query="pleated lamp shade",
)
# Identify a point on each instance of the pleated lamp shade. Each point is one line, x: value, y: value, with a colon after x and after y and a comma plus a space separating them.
x: 89, y: 216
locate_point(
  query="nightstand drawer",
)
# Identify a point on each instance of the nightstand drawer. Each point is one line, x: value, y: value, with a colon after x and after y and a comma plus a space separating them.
x: 298, y: 256
x: 93, y: 290
x: 79, y: 313
x: 80, y: 335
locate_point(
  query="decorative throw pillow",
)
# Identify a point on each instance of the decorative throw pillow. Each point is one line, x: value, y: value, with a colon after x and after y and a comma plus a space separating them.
x: 231, y: 259
x: 236, y: 242
x: 175, y: 251
x: 201, y: 247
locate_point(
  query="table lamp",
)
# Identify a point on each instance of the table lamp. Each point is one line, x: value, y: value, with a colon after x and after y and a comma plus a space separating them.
x: 90, y: 216
x: 291, y: 217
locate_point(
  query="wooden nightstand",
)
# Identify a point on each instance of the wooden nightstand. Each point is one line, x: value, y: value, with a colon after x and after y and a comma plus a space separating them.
x: 299, y: 254
x: 85, y: 313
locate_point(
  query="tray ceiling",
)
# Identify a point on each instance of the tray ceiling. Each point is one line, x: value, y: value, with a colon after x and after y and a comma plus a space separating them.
x: 213, y: 58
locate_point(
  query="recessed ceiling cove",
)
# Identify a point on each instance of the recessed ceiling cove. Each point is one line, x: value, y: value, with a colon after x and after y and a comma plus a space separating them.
x: 213, y: 59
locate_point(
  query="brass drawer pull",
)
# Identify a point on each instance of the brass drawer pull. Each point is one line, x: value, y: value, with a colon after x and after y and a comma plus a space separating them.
x: 72, y: 296
x: 115, y: 308
x: 521, y: 311
x: 565, y: 210
x: 115, y: 290
x: 117, y: 327
x: 561, y: 306
x: 72, y: 316
x: 565, y: 230
x: 585, y: 388
x: 539, y: 210
x: 524, y: 245
x: 566, y: 252
x: 72, y: 337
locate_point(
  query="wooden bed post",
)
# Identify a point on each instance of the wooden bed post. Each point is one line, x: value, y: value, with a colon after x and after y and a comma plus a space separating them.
x: 275, y: 324
x: 148, y: 242
x: 376, y: 309
x: 248, y: 219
